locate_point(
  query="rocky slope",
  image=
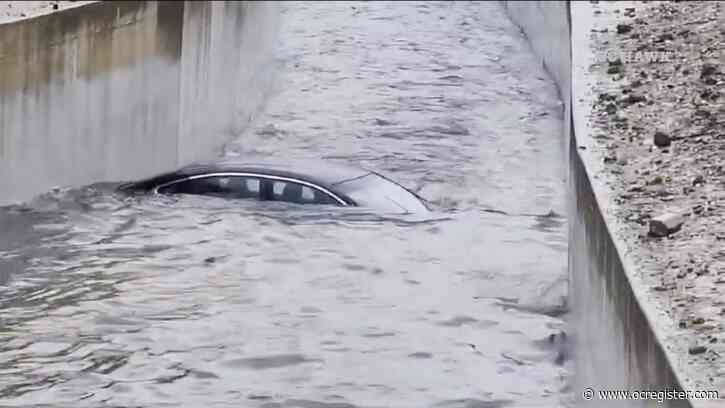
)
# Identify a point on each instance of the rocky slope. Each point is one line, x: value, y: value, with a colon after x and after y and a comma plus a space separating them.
x: 661, y: 116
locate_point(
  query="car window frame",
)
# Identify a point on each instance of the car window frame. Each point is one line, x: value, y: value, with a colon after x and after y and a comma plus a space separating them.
x: 262, y: 177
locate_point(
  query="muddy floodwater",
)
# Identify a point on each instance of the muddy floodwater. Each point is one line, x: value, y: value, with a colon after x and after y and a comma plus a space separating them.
x: 108, y: 300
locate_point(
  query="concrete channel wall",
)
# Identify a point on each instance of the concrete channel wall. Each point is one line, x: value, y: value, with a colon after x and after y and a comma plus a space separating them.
x: 119, y: 90
x: 615, y: 343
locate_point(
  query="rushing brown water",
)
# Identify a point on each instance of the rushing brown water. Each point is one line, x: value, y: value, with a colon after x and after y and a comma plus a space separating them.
x: 193, y: 301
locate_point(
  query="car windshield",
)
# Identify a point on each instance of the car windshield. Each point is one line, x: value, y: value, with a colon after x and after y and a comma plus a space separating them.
x: 375, y: 191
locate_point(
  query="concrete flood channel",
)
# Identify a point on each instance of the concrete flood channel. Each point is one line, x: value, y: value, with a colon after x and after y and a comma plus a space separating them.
x: 206, y: 302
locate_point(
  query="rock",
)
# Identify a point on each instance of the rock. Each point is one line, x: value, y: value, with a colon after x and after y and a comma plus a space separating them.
x: 707, y: 70
x: 604, y: 97
x: 615, y: 69
x: 702, y: 112
x: 661, y: 192
x: 615, y: 66
x: 662, y: 139
x: 632, y: 99
x: 709, y: 94
x: 665, y: 224
x: 694, y: 350
x: 699, y: 179
x: 623, y: 28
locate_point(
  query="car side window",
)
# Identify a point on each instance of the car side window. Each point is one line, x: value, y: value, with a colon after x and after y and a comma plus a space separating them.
x: 252, y: 184
x: 315, y: 196
x: 247, y: 187
x: 278, y: 189
x: 308, y: 194
x: 225, y: 186
x: 297, y: 193
x: 206, y: 185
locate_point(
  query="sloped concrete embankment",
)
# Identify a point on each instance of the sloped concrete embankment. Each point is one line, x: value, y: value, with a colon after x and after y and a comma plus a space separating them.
x: 616, y: 345
x: 118, y: 90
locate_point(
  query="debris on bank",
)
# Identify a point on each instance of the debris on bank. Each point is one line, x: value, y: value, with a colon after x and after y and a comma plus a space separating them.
x: 660, y: 117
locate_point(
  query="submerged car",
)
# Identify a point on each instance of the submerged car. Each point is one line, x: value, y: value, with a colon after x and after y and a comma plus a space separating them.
x: 325, y: 184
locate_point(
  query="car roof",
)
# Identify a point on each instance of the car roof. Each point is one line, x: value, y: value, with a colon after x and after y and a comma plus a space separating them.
x: 319, y: 172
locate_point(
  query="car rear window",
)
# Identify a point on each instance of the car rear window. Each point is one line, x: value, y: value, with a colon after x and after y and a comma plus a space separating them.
x: 376, y: 192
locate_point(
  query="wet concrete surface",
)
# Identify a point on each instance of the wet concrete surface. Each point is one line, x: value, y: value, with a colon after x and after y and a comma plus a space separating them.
x: 122, y: 90
x: 200, y: 301
x: 18, y: 10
